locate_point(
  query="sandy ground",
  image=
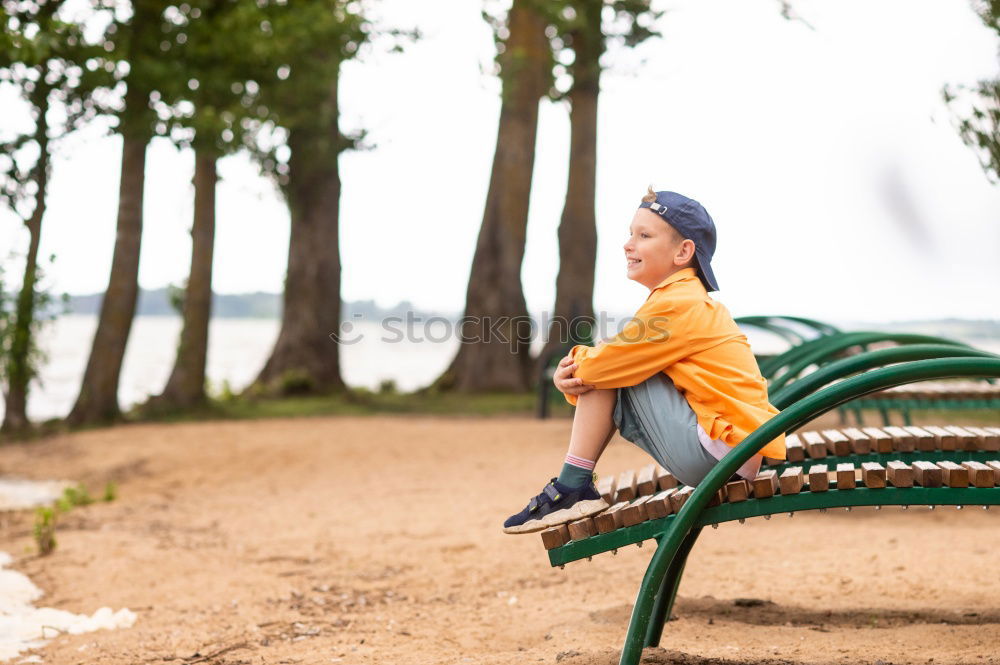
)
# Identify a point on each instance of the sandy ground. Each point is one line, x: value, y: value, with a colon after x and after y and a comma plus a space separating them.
x: 377, y: 540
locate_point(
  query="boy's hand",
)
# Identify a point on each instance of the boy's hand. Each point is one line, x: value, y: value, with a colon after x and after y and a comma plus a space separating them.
x: 564, y: 380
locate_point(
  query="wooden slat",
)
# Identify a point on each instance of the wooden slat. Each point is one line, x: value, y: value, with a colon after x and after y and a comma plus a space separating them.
x: 845, y: 476
x: 861, y: 443
x: 665, y: 480
x: 555, y: 537
x: 988, y: 440
x: 765, y: 484
x: 881, y: 442
x: 791, y: 480
x: 995, y: 465
x: 873, y: 475
x: 902, y: 440
x: 626, y: 486
x: 718, y: 498
x: 966, y: 439
x: 980, y: 475
x: 899, y: 474
x: 945, y: 439
x: 925, y: 440
x: 954, y: 475
x: 659, y: 504
x: 927, y: 474
x: 606, y: 487
x: 581, y: 529
x: 815, y: 444
x: 737, y: 490
x: 645, y: 484
x: 819, y: 480
x: 678, y: 498
x: 635, y: 512
x: 611, y: 518
x: 836, y: 443
x: 794, y: 450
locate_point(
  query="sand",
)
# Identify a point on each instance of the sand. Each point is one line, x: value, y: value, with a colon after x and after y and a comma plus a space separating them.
x: 377, y: 540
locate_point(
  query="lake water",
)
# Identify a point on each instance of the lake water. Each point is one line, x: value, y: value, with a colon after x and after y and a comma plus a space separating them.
x: 237, y: 351
x: 239, y: 347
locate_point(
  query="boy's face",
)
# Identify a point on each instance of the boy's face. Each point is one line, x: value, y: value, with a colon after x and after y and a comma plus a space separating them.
x: 655, y: 250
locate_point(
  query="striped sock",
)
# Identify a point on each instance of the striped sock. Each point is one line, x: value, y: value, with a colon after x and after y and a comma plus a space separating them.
x: 576, y: 471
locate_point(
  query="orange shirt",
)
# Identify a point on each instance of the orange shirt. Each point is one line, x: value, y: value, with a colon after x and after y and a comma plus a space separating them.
x: 693, y: 339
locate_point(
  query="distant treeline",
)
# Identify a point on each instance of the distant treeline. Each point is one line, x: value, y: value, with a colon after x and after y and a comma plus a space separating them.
x: 257, y: 305
x: 261, y: 305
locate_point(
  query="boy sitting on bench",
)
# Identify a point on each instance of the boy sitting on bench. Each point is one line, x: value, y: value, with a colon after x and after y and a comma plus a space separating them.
x: 679, y: 381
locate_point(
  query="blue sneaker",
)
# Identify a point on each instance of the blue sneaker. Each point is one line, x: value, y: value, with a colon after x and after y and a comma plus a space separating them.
x: 557, y: 504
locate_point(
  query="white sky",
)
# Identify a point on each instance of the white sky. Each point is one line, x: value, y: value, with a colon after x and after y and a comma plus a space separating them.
x: 838, y: 185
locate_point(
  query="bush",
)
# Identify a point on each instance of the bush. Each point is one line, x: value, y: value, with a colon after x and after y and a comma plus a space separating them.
x: 45, y: 530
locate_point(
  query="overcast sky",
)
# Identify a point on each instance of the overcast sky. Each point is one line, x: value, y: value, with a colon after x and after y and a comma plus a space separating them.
x: 838, y: 184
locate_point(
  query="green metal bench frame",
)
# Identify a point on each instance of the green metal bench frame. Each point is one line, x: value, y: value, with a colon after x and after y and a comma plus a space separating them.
x: 787, y: 367
x: 676, y: 534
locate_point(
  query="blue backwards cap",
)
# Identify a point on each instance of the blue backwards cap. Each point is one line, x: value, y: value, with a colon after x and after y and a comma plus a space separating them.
x: 693, y: 222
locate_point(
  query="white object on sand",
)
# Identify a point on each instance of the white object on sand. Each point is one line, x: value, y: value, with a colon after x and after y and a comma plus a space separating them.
x: 24, y: 626
x: 17, y: 494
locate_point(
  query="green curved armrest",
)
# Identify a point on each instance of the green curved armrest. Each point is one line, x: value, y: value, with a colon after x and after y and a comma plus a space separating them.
x: 838, y: 369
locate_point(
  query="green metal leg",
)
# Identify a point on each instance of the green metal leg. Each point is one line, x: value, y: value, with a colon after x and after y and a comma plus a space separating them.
x: 885, y: 416
x: 906, y: 417
x: 664, y: 602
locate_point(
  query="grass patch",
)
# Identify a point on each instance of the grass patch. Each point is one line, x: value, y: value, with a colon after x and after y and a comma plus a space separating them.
x: 358, y: 402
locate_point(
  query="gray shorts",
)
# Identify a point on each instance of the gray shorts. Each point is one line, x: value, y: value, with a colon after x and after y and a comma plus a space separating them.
x: 656, y: 417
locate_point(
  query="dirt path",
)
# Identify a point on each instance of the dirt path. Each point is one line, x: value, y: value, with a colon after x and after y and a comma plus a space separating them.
x: 377, y: 540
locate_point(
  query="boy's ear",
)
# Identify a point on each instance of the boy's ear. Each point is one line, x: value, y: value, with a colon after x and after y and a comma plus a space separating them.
x: 687, y: 252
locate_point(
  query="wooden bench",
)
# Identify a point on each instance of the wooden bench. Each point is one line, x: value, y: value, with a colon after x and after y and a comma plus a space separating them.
x: 644, y: 511
x: 878, y: 467
x: 929, y: 395
x: 851, y: 458
x: 773, y: 491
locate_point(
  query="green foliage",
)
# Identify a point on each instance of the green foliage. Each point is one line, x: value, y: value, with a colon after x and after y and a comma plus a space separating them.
x: 175, y: 296
x: 307, y: 43
x: 49, y: 63
x: 45, y: 530
x: 46, y: 59
x: 225, y: 392
x: 74, y: 496
x: 295, y: 382
x: 47, y: 518
x: 20, y: 353
x: 608, y: 25
x: 976, y: 108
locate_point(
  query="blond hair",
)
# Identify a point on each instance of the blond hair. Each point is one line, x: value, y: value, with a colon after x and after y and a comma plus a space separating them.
x: 650, y: 196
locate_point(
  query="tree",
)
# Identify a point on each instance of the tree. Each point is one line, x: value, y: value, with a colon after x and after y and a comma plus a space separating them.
x: 494, y: 352
x: 585, y: 29
x: 137, y: 57
x: 312, y: 41
x: 977, y: 108
x: 214, y: 110
x: 50, y: 63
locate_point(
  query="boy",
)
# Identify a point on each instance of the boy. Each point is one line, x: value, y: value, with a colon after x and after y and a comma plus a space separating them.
x: 679, y: 381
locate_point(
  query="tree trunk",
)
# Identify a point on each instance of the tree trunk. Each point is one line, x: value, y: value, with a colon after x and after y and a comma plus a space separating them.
x: 573, y: 315
x: 494, y: 354
x: 305, y: 357
x: 19, y: 362
x: 98, y: 398
x: 186, y: 385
